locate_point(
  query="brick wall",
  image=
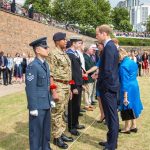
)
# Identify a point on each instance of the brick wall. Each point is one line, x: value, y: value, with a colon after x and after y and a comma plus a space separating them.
x: 17, y: 32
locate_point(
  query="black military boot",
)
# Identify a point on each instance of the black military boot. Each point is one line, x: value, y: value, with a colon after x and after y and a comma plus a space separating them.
x: 66, y: 138
x: 60, y: 143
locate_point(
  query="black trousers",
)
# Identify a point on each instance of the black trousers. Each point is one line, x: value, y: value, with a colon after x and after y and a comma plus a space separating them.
x: 74, y: 109
x: 9, y: 75
x: 4, y: 72
x: 39, y: 130
x: 139, y: 69
x: 109, y: 103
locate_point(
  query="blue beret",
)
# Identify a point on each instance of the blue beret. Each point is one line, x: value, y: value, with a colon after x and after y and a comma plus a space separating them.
x: 42, y: 42
x: 59, y: 36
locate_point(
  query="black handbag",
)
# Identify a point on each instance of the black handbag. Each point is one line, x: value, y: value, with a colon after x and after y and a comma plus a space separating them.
x: 127, y: 114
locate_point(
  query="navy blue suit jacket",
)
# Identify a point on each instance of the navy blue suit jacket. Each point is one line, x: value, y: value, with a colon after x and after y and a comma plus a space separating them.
x: 5, y: 61
x: 76, y: 69
x: 37, y: 85
x: 108, y: 75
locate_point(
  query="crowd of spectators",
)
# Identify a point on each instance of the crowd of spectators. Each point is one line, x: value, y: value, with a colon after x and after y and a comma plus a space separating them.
x: 32, y: 14
x: 132, y: 34
x: 12, y: 69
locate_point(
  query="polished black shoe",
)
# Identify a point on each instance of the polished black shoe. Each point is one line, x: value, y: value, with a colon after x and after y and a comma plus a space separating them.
x: 60, y: 143
x: 102, y: 143
x: 119, y: 130
x: 80, y: 126
x: 74, y: 132
x: 125, y: 132
x: 66, y: 138
x: 82, y: 110
x: 93, y: 103
x: 134, y: 130
x: 80, y: 114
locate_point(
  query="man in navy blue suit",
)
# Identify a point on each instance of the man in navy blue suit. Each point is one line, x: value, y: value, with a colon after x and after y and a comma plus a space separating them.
x: 108, y: 83
x: 3, y: 67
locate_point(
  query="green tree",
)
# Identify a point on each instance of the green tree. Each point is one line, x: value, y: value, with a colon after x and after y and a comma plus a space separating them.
x: 120, y: 19
x: 125, y: 26
x: 84, y: 12
x: 40, y: 6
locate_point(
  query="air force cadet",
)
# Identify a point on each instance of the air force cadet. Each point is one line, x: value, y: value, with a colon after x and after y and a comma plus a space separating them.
x: 38, y: 96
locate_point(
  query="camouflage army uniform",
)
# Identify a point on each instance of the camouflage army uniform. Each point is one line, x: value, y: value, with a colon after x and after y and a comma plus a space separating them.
x: 60, y: 66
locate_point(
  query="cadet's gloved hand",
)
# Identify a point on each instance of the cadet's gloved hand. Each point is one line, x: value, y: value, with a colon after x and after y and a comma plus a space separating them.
x: 34, y: 112
x: 53, y: 104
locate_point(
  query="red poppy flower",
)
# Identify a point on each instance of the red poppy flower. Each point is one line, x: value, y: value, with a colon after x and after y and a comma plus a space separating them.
x: 85, y: 78
x: 71, y: 82
x: 53, y: 86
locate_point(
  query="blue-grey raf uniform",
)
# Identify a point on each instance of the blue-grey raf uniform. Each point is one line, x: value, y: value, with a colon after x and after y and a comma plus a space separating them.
x: 38, y: 96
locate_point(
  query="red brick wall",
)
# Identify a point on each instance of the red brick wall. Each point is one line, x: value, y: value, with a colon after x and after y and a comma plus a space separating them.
x: 17, y: 32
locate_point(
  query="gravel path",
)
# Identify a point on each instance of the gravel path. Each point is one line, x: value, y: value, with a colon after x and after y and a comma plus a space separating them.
x: 14, y: 88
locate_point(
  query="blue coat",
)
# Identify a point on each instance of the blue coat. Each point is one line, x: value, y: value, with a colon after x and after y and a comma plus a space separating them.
x: 128, y: 83
x: 37, y: 85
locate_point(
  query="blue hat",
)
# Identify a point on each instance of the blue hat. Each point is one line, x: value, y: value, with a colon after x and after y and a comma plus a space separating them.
x: 68, y: 44
x: 59, y: 36
x: 42, y: 42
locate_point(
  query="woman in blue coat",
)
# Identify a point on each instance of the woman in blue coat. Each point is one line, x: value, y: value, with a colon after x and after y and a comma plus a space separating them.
x: 129, y: 90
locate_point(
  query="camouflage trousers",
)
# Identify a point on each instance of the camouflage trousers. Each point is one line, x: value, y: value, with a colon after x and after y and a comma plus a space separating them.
x: 58, y: 123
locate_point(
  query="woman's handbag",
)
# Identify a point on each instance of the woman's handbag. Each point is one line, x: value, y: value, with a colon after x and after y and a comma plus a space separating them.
x: 127, y: 114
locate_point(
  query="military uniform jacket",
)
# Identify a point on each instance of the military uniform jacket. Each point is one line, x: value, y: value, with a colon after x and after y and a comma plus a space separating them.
x: 76, y: 68
x: 60, y: 66
x: 37, y: 85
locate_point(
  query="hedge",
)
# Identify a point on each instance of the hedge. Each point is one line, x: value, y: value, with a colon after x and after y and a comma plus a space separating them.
x: 133, y: 41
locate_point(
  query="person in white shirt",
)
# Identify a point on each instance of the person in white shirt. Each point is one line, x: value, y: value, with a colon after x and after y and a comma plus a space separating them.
x: 132, y: 56
x: 30, y: 59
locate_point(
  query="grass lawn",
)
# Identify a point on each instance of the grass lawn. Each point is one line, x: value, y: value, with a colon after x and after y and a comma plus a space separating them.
x: 14, y: 125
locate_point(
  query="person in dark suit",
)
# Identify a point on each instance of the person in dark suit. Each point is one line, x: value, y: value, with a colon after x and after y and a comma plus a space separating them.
x: 38, y: 96
x: 31, y: 11
x: 89, y: 84
x: 139, y: 62
x: 108, y: 84
x: 76, y: 88
x: 3, y: 67
x: 13, y: 6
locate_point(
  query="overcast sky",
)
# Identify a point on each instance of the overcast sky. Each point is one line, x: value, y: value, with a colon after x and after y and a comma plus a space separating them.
x: 113, y: 2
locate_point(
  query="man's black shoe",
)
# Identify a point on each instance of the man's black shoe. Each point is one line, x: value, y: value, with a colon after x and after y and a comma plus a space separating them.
x: 74, y: 132
x: 80, y: 126
x: 93, y: 103
x: 80, y: 114
x: 60, y: 143
x: 82, y: 110
x: 103, y: 143
x: 66, y: 139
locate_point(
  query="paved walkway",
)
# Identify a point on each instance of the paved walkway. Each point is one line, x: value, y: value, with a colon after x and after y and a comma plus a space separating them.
x: 6, y: 90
